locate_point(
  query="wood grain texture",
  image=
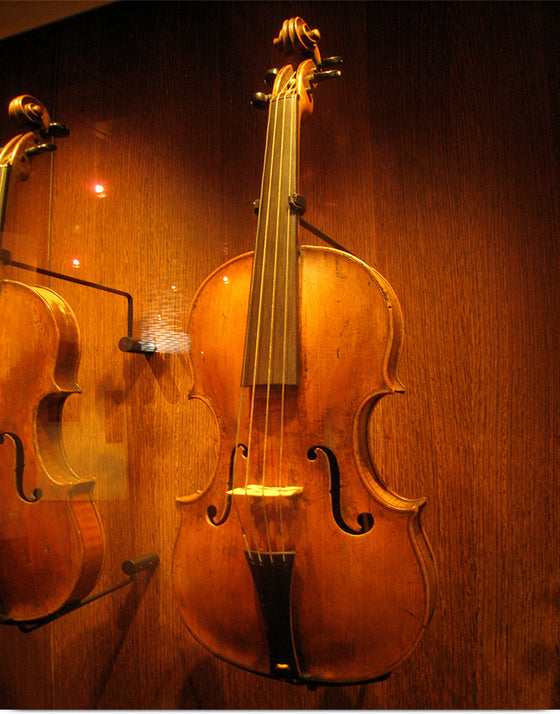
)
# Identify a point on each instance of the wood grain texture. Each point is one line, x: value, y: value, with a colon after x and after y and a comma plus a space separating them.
x: 435, y: 160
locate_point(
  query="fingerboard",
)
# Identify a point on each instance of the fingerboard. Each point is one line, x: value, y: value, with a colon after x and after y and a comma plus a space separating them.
x: 271, y: 343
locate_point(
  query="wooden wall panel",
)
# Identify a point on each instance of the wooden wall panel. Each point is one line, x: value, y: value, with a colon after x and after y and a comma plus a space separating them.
x: 434, y: 159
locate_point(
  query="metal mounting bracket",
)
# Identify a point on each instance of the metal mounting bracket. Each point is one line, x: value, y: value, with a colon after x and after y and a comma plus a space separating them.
x: 298, y: 204
x: 148, y: 561
x: 126, y: 344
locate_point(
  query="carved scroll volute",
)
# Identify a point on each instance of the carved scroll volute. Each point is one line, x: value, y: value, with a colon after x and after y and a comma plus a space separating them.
x: 29, y: 113
x: 298, y: 43
x: 296, y: 38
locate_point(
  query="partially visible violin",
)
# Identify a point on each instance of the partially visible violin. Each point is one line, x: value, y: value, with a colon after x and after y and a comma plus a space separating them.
x: 296, y: 562
x: 51, y: 540
x: 17, y: 154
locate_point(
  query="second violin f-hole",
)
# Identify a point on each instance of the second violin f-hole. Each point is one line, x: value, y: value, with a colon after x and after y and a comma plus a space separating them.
x: 20, y: 468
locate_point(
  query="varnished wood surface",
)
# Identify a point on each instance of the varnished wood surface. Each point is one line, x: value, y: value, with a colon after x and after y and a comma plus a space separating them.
x: 52, y: 540
x: 434, y: 159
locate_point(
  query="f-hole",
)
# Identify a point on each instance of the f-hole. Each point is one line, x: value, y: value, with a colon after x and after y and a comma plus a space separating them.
x: 212, y: 511
x: 365, y: 520
x: 19, y: 469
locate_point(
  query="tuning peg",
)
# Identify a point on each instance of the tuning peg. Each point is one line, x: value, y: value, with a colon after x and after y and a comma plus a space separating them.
x: 270, y: 76
x: 328, y: 74
x: 40, y: 149
x: 260, y: 100
x: 329, y: 62
x: 58, y: 130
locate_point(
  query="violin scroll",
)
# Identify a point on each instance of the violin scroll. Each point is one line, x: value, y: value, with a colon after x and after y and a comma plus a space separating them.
x: 295, y: 37
x: 296, y: 40
x: 28, y: 112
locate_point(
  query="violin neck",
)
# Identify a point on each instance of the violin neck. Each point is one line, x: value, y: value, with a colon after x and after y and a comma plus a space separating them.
x: 4, y: 177
x: 271, y: 344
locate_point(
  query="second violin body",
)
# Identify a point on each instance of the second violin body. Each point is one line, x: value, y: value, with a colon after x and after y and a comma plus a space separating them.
x: 51, y: 542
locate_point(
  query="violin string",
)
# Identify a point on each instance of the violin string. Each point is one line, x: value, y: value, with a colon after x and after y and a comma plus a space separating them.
x: 271, y: 346
x: 284, y: 344
x: 236, y: 451
x: 275, y: 167
x: 249, y: 391
x: 280, y: 208
x: 53, y: 667
x: 291, y: 189
x: 269, y: 168
x: 254, y: 530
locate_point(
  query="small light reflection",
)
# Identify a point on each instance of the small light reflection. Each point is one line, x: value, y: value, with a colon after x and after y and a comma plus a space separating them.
x: 99, y: 190
x: 225, y: 279
x: 76, y: 262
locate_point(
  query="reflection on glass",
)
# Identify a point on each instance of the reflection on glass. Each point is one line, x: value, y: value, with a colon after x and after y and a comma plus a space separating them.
x: 163, y: 322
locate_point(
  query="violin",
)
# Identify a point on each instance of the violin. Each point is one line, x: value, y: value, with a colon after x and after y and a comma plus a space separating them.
x: 51, y: 540
x: 296, y: 562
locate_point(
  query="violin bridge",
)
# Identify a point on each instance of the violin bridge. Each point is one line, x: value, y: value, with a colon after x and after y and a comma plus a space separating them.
x: 258, y: 491
x: 268, y: 514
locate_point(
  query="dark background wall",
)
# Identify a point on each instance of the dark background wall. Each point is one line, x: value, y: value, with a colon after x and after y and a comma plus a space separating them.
x: 434, y: 159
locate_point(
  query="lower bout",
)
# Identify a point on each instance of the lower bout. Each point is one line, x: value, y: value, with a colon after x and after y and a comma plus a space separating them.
x: 347, y: 623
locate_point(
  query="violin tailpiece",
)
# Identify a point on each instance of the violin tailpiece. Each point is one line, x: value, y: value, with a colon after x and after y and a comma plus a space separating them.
x: 272, y: 575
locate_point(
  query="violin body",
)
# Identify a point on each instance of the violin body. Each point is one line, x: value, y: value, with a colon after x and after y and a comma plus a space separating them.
x: 361, y: 583
x: 51, y: 541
